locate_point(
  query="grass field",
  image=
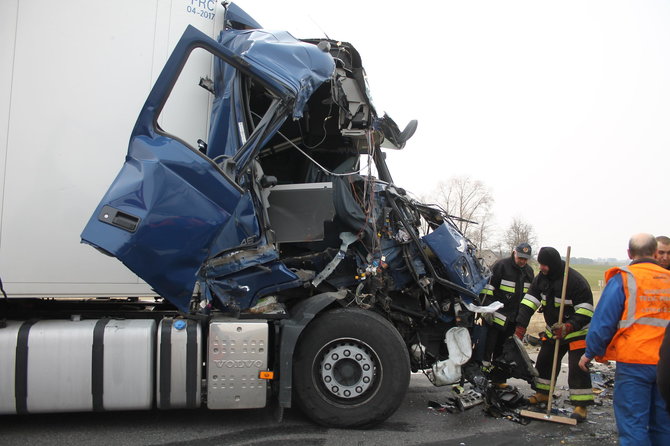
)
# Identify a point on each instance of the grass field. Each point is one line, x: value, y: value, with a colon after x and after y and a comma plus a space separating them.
x: 593, y: 274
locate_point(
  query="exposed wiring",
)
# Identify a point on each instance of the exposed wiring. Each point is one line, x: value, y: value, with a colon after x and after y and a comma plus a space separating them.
x: 326, y: 171
x: 325, y: 133
x: 367, y: 201
x: 368, y: 197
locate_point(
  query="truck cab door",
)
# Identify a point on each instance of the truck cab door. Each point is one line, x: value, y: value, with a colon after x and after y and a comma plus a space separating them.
x: 172, y: 206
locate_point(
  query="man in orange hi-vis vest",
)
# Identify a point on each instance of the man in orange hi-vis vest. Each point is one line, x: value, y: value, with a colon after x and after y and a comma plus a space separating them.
x: 628, y: 327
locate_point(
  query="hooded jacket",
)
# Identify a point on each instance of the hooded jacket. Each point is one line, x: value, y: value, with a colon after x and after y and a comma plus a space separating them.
x: 545, y: 291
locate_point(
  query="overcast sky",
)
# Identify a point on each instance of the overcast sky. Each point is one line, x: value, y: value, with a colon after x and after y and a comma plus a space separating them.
x: 561, y: 108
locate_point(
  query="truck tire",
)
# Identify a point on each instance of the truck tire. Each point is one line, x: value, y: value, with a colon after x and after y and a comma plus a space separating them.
x: 351, y: 369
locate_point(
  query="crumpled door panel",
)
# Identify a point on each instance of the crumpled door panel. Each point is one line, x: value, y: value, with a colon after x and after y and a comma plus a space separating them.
x: 172, y: 207
x: 180, y: 203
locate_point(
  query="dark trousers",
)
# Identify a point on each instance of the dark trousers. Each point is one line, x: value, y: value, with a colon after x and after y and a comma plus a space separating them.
x: 495, y: 338
x: 579, y: 381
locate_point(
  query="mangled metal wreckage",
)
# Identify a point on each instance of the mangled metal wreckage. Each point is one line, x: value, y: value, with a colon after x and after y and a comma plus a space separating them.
x: 274, y: 215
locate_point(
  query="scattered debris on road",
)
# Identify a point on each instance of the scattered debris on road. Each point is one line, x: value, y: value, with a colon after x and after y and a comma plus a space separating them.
x: 507, y: 401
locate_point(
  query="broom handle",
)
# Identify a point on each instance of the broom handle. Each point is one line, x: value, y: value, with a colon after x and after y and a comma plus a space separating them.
x: 560, y: 320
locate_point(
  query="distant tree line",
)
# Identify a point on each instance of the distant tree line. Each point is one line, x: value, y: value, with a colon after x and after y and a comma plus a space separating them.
x: 469, y: 202
x: 582, y: 261
x: 600, y: 261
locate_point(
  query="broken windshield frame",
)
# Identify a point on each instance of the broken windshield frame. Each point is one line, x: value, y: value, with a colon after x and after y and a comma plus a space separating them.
x: 271, y: 121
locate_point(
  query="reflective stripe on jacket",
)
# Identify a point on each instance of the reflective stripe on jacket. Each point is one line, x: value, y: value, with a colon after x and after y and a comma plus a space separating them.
x: 545, y: 292
x: 507, y: 285
x: 645, y: 315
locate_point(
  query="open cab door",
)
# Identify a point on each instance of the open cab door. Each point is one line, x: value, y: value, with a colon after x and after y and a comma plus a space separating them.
x: 178, y: 201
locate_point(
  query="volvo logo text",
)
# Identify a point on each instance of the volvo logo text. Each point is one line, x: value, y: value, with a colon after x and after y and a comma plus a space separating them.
x: 238, y: 363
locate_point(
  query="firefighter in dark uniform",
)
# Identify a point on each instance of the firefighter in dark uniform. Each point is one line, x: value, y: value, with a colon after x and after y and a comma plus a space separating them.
x: 545, y: 292
x: 509, y: 281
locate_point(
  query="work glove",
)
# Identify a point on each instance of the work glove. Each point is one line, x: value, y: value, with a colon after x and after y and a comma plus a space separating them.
x: 488, y: 317
x: 561, y: 330
x: 519, y: 332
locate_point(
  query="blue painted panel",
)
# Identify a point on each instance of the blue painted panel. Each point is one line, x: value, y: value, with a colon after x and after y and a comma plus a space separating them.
x: 458, y: 259
x: 182, y: 202
x: 242, y: 289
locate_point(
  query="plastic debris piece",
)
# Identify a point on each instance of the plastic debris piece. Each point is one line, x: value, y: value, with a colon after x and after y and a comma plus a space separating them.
x: 505, y: 403
x: 469, y: 399
x: 459, y: 346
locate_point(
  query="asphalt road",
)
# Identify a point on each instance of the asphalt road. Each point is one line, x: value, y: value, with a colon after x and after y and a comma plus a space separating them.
x: 413, y: 424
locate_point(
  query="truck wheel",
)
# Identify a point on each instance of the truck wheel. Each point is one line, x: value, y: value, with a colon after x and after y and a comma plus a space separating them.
x: 351, y: 369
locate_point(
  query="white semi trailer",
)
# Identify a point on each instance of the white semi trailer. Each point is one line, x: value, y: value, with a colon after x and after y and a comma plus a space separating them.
x: 70, y: 92
x: 250, y: 258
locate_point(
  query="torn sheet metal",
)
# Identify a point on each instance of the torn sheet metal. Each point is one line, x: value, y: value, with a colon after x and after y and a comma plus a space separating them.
x: 457, y: 257
x: 347, y: 239
x: 299, y: 67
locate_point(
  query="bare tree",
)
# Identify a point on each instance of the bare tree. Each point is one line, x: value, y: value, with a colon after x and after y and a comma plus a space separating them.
x: 519, y: 231
x: 480, y: 234
x: 470, y: 201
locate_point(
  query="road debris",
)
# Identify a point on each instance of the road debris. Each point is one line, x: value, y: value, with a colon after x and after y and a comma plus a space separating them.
x: 505, y: 403
x: 602, y: 377
x: 459, y: 400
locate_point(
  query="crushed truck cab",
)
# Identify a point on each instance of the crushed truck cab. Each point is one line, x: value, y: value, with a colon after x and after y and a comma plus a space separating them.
x: 283, y: 256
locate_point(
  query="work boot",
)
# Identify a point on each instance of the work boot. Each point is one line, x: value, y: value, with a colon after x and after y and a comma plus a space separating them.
x: 579, y: 413
x: 538, y: 398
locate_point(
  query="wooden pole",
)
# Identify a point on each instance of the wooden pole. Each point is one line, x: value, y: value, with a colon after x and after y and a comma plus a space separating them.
x: 549, y: 416
x: 558, y: 341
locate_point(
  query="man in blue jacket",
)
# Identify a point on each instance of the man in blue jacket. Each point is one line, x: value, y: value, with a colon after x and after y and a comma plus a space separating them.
x: 628, y: 326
